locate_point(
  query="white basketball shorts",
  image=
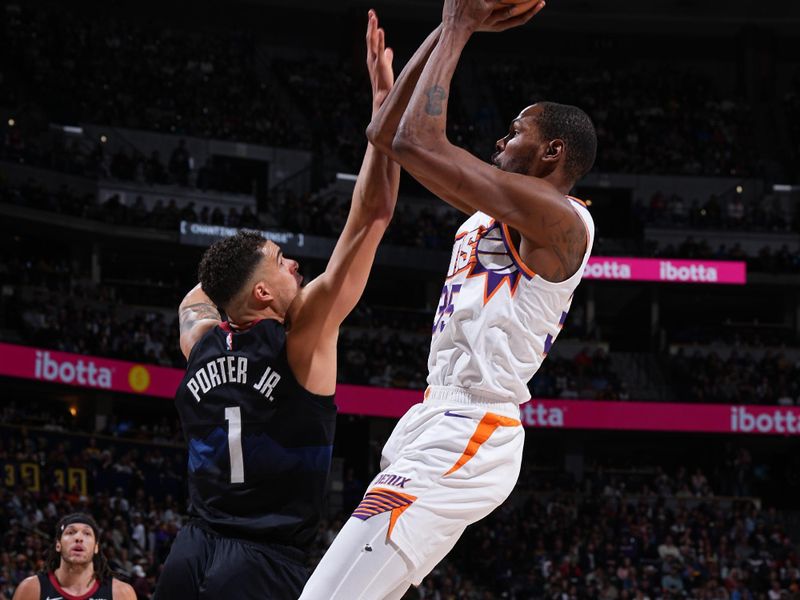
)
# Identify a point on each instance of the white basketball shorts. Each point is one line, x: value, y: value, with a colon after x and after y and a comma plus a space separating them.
x: 449, y: 462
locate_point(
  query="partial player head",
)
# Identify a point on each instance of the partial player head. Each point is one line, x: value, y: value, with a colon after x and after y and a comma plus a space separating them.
x: 77, y: 544
x: 246, y: 270
x: 548, y: 138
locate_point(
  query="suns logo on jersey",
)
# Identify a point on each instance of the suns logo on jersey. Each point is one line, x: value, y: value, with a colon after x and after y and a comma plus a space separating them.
x: 464, y: 251
x: 485, y: 251
x: 491, y: 259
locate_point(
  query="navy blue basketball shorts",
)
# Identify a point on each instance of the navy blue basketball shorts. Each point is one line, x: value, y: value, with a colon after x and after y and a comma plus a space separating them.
x: 205, y: 566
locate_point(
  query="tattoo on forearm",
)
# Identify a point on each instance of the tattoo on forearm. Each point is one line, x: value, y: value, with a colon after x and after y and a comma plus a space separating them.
x: 436, y: 96
x: 199, y: 311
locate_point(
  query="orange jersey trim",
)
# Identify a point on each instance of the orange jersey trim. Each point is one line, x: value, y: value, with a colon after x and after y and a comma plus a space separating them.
x: 472, y: 259
x: 381, y: 500
x: 512, y: 288
x: 578, y: 200
x: 393, y: 519
x: 483, y: 432
x: 585, y: 225
x: 514, y: 254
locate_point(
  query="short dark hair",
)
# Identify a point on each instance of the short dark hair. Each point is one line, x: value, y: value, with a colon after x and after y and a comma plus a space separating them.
x: 102, y: 570
x: 228, y: 264
x: 574, y: 126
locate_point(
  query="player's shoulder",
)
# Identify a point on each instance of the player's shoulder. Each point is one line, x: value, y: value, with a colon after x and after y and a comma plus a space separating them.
x: 28, y: 589
x: 121, y: 590
x: 582, y: 209
x: 265, y: 333
x: 577, y: 201
x: 202, y: 341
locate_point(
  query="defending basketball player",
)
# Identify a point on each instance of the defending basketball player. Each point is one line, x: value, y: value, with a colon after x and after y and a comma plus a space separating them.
x: 256, y: 403
x: 515, y: 265
x: 75, y: 567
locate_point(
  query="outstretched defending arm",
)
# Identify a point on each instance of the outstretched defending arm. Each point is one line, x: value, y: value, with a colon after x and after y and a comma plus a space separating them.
x: 381, y: 131
x: 384, y: 122
x: 318, y: 311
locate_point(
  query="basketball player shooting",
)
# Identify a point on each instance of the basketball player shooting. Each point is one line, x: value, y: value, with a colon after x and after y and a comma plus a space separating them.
x: 256, y: 403
x: 515, y: 265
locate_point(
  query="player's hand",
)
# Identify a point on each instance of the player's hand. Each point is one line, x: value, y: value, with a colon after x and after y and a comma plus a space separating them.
x: 379, y: 62
x: 506, y: 16
x: 467, y: 14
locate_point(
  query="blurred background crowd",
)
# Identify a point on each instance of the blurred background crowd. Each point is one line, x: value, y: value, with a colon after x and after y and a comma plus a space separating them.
x: 131, y: 132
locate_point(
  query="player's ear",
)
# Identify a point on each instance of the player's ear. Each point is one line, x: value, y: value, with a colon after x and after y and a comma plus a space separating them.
x: 262, y: 292
x: 554, y: 150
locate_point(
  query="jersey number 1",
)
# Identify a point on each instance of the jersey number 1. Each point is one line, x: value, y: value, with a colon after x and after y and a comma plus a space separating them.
x: 233, y: 415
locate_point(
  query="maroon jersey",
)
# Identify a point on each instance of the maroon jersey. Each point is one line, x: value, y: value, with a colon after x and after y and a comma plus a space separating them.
x: 50, y: 590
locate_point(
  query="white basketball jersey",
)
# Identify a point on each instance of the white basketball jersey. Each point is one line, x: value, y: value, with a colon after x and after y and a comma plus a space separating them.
x: 497, y: 319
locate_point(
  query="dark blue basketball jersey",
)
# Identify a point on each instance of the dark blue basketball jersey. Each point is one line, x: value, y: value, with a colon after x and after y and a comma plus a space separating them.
x: 259, y: 444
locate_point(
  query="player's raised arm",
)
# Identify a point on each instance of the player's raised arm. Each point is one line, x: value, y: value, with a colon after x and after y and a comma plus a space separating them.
x: 421, y: 145
x: 196, y: 315
x: 527, y: 191
x: 382, y: 128
x: 385, y: 120
x: 318, y: 311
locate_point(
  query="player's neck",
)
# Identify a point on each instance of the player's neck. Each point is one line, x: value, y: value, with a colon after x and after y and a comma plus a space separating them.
x: 242, y: 319
x: 558, y: 181
x: 244, y: 311
x: 75, y: 579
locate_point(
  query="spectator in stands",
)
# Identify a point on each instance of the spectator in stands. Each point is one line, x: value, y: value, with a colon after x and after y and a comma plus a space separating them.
x: 669, y: 550
x: 154, y: 171
x: 180, y: 164
x: 75, y: 566
x: 554, y: 540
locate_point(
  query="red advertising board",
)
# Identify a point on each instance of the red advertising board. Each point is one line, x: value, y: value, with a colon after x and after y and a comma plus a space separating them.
x: 121, y: 376
x: 670, y: 270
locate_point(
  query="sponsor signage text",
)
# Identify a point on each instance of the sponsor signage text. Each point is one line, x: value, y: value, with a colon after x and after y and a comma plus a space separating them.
x: 670, y: 270
x: 122, y: 376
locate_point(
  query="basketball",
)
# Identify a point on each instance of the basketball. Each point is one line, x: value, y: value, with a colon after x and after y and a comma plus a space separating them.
x: 516, y: 7
x: 482, y: 299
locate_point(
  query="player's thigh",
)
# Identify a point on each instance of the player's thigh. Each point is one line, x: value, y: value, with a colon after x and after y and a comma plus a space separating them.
x: 249, y: 572
x: 184, y: 569
x: 361, y: 564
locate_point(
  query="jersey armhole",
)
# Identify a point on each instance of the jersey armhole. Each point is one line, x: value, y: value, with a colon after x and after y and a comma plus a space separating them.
x: 198, y: 342
x: 587, y: 251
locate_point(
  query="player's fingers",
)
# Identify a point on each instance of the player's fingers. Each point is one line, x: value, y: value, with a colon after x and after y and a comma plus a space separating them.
x: 377, y: 41
x: 496, y: 17
x: 381, y: 40
x: 524, y: 18
x: 370, y: 24
x: 515, y: 10
x: 505, y: 12
x: 370, y: 34
x: 388, y: 55
x: 520, y: 19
